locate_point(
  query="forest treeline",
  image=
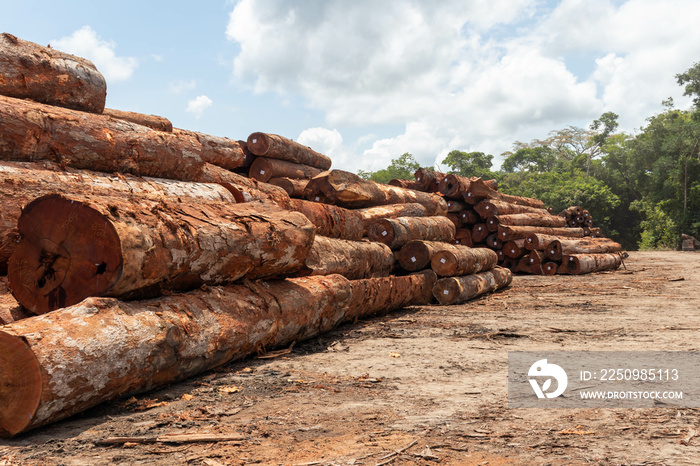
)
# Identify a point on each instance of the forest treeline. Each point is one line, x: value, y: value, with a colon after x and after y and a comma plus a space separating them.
x: 643, y: 190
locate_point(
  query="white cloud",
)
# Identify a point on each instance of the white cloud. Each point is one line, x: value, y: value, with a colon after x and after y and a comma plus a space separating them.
x: 178, y: 87
x: 465, y: 75
x: 198, y: 105
x: 87, y: 44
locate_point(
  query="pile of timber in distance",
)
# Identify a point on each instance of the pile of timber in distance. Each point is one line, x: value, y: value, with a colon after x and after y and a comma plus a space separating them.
x: 484, y: 217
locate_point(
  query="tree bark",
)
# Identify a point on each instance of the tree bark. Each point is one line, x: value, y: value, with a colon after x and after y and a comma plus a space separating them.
x: 399, y: 231
x: 469, y: 217
x: 243, y: 188
x: 462, y: 260
x: 463, y: 236
x: 538, y: 241
x: 294, y: 187
x: 454, y: 186
x: 222, y: 152
x: 507, y: 233
x: 278, y: 147
x: 351, y: 259
x: 81, y: 246
x: 155, y: 122
x: 556, y: 248
x: 22, y: 182
x: 455, y: 290
x: 349, y: 190
x: 529, y: 219
x: 479, y: 190
x: 407, y: 184
x: 488, y: 208
x: 331, y: 221
x: 370, y: 214
x: 262, y: 169
x: 381, y: 295
x: 428, y: 180
x: 416, y: 255
x: 514, y: 248
x: 31, y: 131
x: 577, y: 264
x: 67, y: 361
x: 43, y: 74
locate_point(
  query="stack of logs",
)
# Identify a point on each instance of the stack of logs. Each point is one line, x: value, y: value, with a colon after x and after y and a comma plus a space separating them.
x: 524, y: 234
x: 138, y: 253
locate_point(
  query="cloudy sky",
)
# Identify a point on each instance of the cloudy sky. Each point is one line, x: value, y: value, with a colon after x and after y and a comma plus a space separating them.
x: 366, y: 81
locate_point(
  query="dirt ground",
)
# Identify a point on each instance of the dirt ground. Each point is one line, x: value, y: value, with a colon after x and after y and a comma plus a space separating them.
x: 426, y: 385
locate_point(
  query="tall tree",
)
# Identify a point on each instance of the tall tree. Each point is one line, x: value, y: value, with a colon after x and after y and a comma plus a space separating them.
x: 469, y: 163
x: 401, y: 167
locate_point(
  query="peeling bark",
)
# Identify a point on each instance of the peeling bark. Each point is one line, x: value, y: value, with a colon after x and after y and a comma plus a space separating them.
x: 399, y: 231
x: 278, y: 147
x: 263, y: 169
x: 351, y: 259
x: 152, y: 121
x: 294, y: 187
x: 331, y: 221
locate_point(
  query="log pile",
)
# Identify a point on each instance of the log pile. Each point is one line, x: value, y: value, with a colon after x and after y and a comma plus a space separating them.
x: 525, y: 235
x: 137, y: 254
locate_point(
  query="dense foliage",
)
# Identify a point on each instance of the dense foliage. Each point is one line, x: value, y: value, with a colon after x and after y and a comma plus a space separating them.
x: 643, y: 190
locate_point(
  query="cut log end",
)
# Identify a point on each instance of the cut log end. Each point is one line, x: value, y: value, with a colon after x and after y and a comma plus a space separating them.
x: 20, y: 385
x: 414, y: 256
x: 77, y: 254
x: 258, y: 144
x: 381, y: 231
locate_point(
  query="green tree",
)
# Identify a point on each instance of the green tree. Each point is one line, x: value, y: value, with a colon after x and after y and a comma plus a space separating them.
x: 691, y: 80
x: 539, y: 159
x: 402, y: 167
x: 469, y: 163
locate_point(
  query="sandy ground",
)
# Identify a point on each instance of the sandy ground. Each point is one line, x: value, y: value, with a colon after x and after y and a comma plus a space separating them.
x: 426, y: 385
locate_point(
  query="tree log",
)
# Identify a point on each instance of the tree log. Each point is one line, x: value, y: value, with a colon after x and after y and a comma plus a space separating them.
x: 152, y: 121
x: 222, y: 152
x: 550, y: 268
x: 351, y: 259
x: 262, y: 169
x: 43, y: 74
x: 416, y: 255
x: 381, y: 295
x: 488, y: 208
x: 294, y: 187
x: 536, y: 259
x: 479, y: 233
x: 370, y: 214
x: 455, y: 290
x: 331, y: 221
x: 562, y: 246
x: 454, y: 186
x: 577, y: 264
x: 349, y: 190
x: 398, y: 231
x: 428, y: 180
x: 277, y: 147
x: 243, y: 188
x: 514, y: 248
x: 493, y: 242
x: 529, y: 219
x: 407, y: 184
x: 507, y: 233
x: 31, y: 131
x: 469, y: 217
x: 463, y: 236
x: 462, y: 260
x: 479, y: 190
x: 21, y: 182
x: 538, y: 241
x: 67, y: 361
x: 456, y: 206
x: 72, y: 248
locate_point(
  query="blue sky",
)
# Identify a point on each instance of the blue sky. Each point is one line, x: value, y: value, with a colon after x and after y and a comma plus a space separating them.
x: 365, y: 81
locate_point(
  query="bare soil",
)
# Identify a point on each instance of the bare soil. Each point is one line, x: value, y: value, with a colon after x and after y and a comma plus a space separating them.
x: 426, y: 385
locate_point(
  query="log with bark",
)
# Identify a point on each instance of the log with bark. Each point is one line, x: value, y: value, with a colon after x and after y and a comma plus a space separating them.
x: 351, y: 259
x: 243, y: 188
x: 220, y: 151
x: 480, y: 190
x: 479, y: 233
x: 462, y: 260
x: 455, y: 290
x: 43, y: 74
x: 463, y: 236
x: 32, y: 131
x: 469, y: 217
x: 64, y: 362
x: 370, y: 214
x: 349, y: 190
x: 490, y: 207
x: 515, y: 248
x: 273, y: 146
x: 529, y: 219
x: 536, y: 259
x: 262, y: 169
x: 72, y: 248
x: 428, y: 180
x: 507, y: 233
x: 577, y: 264
x: 416, y: 255
x: 538, y: 241
x: 455, y: 206
x: 407, y: 184
x: 293, y: 186
x: 21, y: 182
x: 152, y: 121
x: 381, y: 295
x: 557, y: 248
x: 454, y: 186
x: 331, y: 221
x: 398, y: 231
